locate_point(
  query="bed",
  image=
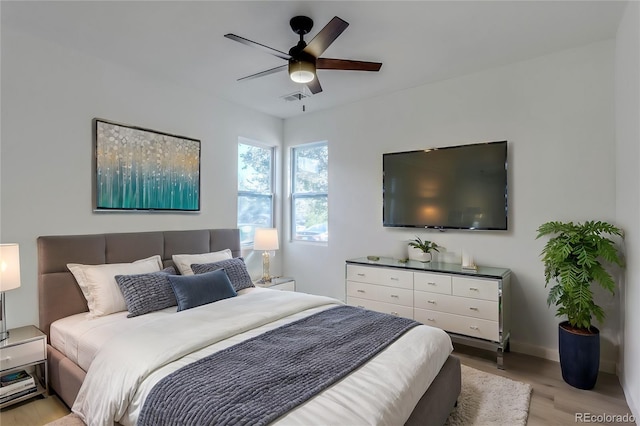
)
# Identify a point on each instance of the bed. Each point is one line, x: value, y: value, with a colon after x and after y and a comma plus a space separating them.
x: 427, y: 389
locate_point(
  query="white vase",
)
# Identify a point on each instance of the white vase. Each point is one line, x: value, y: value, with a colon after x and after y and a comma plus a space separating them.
x: 419, y: 255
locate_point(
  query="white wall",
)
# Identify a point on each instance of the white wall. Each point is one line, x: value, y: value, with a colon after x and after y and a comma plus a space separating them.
x: 556, y: 112
x: 627, y: 108
x: 49, y: 96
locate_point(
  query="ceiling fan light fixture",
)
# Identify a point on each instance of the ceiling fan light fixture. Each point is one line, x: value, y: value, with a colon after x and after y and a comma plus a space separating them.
x: 302, y: 71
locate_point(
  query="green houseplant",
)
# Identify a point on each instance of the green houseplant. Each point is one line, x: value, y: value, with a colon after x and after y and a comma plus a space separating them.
x: 573, y: 260
x: 421, y: 250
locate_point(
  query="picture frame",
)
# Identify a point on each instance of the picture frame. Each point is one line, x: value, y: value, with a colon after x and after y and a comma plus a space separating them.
x: 138, y: 169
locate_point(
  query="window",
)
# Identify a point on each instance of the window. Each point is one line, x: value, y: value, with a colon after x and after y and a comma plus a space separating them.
x: 309, y: 192
x: 255, y: 188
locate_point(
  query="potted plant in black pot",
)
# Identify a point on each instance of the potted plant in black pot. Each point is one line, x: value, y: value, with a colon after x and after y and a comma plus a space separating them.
x: 573, y: 260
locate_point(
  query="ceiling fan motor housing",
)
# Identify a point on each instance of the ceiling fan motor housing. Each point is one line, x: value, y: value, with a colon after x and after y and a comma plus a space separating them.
x: 302, y: 65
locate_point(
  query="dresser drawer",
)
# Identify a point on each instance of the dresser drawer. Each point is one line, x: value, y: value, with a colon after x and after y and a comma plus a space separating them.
x: 387, y: 308
x: 25, y: 353
x: 397, y: 296
x: 390, y: 277
x: 361, y: 290
x: 475, y: 288
x: 380, y: 293
x: 459, y: 324
x: 435, y: 283
x: 477, y: 308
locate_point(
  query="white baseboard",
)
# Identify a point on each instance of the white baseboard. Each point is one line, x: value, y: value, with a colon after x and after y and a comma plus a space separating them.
x: 635, y: 409
x: 606, y: 365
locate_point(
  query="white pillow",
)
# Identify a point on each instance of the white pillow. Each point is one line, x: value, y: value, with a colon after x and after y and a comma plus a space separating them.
x: 99, y: 286
x: 184, y: 261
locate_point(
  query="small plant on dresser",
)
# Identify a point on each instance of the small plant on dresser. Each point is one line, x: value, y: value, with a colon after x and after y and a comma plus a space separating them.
x: 421, y: 250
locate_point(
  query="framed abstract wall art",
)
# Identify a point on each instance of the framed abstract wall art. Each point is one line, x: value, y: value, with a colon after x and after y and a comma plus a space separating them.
x: 142, y: 169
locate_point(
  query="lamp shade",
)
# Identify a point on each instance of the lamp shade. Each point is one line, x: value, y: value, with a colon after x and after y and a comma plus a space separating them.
x: 9, y: 266
x: 302, y: 71
x: 266, y: 239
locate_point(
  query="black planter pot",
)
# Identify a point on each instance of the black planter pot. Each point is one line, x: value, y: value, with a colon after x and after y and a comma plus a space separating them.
x: 579, y: 357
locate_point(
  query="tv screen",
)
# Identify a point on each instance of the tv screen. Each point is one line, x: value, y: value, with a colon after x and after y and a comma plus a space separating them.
x: 459, y: 187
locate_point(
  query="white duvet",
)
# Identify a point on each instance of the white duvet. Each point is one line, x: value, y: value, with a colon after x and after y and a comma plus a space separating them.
x: 384, y: 391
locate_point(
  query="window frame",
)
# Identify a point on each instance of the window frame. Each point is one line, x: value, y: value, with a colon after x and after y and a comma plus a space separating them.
x: 293, y: 196
x: 272, y: 181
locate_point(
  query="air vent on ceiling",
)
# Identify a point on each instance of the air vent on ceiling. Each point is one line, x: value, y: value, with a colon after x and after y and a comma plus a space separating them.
x: 295, y: 96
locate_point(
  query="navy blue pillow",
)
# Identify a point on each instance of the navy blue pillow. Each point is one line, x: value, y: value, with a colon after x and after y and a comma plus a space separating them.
x: 197, y: 290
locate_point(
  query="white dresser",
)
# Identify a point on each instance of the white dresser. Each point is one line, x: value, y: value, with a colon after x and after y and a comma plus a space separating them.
x: 472, y: 306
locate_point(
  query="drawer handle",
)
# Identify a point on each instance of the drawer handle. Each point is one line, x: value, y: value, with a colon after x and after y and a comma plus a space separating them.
x: 394, y: 279
x: 394, y: 313
x: 433, y: 302
x: 361, y: 291
x: 395, y: 295
x: 360, y: 306
x: 431, y: 319
x: 360, y: 275
x: 7, y: 359
x: 473, y: 288
x: 473, y: 327
x: 430, y: 283
x: 473, y: 309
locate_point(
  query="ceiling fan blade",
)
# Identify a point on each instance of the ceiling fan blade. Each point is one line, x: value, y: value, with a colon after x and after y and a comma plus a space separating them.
x: 314, y: 86
x: 346, y: 64
x: 263, y: 73
x: 262, y: 47
x: 326, y: 36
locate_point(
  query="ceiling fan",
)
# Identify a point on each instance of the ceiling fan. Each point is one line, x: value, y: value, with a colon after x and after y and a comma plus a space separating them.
x: 304, y: 58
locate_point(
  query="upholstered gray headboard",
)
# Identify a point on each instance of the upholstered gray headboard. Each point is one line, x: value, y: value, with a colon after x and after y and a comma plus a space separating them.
x: 58, y: 293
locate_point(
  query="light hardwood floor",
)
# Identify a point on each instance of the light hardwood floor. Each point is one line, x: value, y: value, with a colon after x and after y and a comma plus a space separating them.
x: 553, y: 402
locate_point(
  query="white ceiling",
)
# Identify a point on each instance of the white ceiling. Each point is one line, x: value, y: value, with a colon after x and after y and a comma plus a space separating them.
x: 418, y: 41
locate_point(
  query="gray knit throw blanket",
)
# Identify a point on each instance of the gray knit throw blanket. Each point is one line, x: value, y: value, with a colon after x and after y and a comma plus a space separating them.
x: 260, y: 379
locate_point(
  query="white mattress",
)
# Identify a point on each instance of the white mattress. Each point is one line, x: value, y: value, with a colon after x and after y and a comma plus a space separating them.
x: 384, y: 391
x: 79, y: 337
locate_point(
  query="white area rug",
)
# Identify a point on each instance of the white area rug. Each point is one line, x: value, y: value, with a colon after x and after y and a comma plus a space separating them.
x: 487, y: 399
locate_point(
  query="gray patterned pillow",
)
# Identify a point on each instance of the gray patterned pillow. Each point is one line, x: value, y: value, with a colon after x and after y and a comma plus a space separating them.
x: 235, y: 268
x: 144, y: 293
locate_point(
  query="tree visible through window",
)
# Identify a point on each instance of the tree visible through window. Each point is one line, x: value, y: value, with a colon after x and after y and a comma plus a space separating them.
x: 309, y: 192
x: 255, y: 189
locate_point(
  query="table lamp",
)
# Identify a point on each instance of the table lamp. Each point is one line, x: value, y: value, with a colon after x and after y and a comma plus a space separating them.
x: 265, y: 239
x: 9, y: 279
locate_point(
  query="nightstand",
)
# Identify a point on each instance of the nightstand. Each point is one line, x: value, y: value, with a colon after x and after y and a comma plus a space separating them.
x: 25, y: 349
x: 280, y: 283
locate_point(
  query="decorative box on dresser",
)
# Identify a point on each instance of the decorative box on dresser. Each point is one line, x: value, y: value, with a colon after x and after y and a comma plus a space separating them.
x: 473, y: 306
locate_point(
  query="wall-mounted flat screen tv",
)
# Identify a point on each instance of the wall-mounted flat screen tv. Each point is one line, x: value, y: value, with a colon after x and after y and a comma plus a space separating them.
x: 458, y: 187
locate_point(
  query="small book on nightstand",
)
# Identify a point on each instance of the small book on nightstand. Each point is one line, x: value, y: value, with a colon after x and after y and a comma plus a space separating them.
x: 12, y: 379
x: 16, y: 384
